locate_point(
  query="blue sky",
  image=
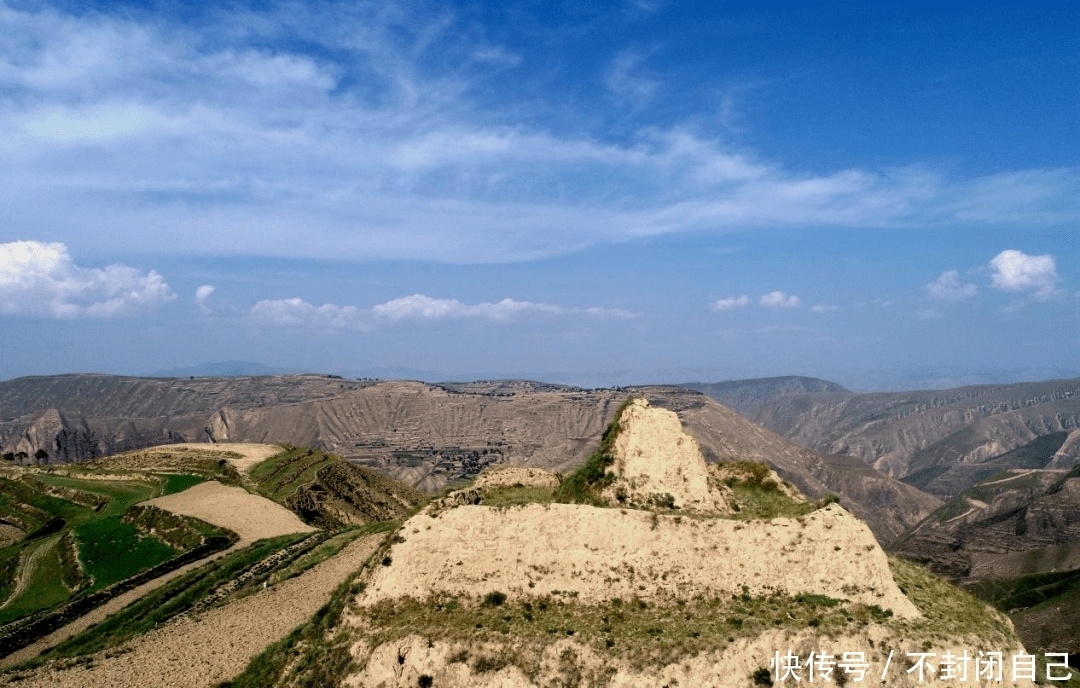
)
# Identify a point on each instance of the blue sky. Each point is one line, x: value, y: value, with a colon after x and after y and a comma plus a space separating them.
x: 603, y: 193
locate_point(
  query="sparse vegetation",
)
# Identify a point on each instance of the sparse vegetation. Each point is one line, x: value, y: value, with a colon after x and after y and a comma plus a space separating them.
x: 758, y: 495
x: 517, y: 496
x: 584, y: 485
x: 642, y: 633
x: 948, y: 612
x: 279, y: 476
x: 328, y: 492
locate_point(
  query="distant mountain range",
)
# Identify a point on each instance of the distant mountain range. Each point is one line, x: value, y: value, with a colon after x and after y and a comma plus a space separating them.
x: 939, y: 441
x: 425, y: 434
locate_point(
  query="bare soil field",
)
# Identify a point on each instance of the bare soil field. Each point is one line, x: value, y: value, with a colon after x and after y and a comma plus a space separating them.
x: 250, y: 516
x: 213, y: 647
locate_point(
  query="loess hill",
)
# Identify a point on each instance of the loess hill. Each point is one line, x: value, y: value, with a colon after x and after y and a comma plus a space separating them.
x: 425, y: 435
x: 644, y: 567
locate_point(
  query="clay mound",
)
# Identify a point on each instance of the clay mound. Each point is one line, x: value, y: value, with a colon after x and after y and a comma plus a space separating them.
x: 657, y: 463
x: 597, y: 554
x: 250, y: 516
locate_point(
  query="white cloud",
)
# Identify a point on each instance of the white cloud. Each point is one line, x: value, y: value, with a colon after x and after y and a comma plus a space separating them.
x: 947, y: 287
x: 778, y: 299
x: 730, y: 303
x: 296, y: 312
x: 420, y: 307
x: 202, y: 298
x: 1015, y: 271
x: 824, y: 308
x: 42, y: 279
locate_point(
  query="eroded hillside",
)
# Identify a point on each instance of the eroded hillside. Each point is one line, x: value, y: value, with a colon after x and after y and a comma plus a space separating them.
x: 426, y: 435
x: 921, y: 436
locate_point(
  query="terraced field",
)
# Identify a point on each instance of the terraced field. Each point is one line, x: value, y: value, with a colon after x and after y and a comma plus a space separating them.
x: 328, y: 492
x: 102, y: 552
x: 77, y: 537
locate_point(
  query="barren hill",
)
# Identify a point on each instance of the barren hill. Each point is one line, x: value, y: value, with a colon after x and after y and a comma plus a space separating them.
x: 426, y: 435
x: 918, y: 436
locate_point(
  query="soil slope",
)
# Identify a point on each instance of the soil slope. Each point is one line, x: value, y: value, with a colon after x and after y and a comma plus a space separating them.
x: 562, y: 586
x: 250, y: 516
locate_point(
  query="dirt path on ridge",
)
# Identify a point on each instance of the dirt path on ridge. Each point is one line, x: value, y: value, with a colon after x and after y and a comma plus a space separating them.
x: 215, y: 646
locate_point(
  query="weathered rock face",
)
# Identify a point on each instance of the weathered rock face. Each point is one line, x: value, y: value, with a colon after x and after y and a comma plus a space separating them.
x: 656, y: 460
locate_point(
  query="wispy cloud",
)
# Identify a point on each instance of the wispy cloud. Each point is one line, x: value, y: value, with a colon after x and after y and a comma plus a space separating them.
x: 821, y: 308
x: 365, y: 131
x: 296, y: 312
x: 948, y: 287
x: 778, y: 299
x: 42, y: 279
x: 627, y: 77
x: 730, y: 303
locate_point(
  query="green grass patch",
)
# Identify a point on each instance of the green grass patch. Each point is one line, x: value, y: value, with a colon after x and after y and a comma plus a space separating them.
x: 584, y: 485
x: 1027, y: 591
x: 46, y: 587
x: 112, y: 550
x: 33, y: 509
x: 756, y: 501
x: 178, y: 482
x: 9, y: 563
x: 948, y: 612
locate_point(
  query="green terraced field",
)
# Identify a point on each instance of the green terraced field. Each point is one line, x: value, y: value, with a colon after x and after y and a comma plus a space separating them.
x: 109, y: 549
